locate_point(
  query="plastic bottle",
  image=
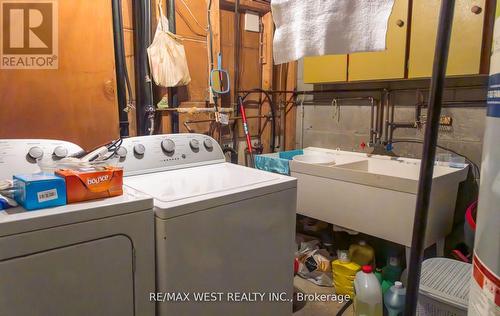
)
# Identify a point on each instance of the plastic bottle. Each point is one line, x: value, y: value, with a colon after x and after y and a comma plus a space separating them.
x: 392, y: 271
x: 378, y: 274
x: 344, y: 272
x: 368, y: 301
x: 394, y: 299
x: 361, y: 253
x: 386, y: 285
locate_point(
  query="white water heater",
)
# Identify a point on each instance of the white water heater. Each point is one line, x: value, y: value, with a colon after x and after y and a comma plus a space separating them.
x: 485, y: 287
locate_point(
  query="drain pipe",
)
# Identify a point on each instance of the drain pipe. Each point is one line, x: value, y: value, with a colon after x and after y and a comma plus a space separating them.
x: 429, y: 154
x: 143, y: 83
x: 173, y: 98
x: 121, y: 67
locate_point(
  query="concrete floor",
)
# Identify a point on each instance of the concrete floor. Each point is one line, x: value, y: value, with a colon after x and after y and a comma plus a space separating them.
x: 318, y: 308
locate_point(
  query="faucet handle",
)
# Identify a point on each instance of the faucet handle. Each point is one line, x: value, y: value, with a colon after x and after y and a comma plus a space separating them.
x: 362, y: 145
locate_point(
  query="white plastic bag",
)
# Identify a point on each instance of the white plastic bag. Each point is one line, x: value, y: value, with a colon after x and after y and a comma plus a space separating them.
x: 167, y: 57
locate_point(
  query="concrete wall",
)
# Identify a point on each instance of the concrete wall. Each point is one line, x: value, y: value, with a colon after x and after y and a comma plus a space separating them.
x: 324, y: 126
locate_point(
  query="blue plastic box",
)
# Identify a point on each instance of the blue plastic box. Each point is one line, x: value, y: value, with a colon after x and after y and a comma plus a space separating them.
x: 36, y: 191
x: 277, y: 162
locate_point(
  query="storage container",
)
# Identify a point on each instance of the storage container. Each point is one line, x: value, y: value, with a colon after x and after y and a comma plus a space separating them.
x: 444, y: 287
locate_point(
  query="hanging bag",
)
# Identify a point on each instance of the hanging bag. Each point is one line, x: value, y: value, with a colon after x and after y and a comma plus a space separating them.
x: 167, y: 57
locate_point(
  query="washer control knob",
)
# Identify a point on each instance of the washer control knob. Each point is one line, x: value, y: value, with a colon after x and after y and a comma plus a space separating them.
x: 208, y: 144
x: 35, y: 152
x: 121, y: 152
x: 60, y: 152
x: 168, y: 145
x: 139, y: 149
x: 195, y: 144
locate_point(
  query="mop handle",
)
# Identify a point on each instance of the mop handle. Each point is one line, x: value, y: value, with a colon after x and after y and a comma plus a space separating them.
x: 245, y: 126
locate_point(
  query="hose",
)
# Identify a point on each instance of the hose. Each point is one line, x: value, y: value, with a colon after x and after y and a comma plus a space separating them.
x: 344, y: 308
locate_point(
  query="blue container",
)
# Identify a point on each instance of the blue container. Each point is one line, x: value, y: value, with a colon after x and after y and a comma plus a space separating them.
x: 277, y: 162
x: 36, y: 191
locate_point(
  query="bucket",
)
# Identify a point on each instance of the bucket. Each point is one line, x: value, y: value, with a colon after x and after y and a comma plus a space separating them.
x: 470, y: 225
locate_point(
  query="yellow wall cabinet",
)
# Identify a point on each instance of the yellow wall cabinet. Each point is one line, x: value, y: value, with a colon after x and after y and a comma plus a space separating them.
x: 324, y: 69
x: 466, y: 38
x: 389, y: 64
x: 465, y: 48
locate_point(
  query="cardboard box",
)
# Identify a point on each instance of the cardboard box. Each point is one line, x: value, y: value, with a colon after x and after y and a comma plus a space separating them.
x: 92, y: 184
x: 36, y: 191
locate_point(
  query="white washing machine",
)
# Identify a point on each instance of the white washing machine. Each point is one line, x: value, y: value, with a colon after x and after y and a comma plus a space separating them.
x: 221, y: 228
x: 92, y: 258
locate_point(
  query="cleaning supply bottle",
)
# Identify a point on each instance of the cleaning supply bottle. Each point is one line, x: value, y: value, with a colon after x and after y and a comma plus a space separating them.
x: 394, y: 299
x: 378, y: 274
x: 361, y: 253
x: 386, y: 285
x: 343, y: 273
x: 392, y: 271
x: 368, y: 300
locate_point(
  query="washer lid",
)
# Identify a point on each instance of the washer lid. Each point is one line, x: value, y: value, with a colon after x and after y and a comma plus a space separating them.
x: 195, y: 185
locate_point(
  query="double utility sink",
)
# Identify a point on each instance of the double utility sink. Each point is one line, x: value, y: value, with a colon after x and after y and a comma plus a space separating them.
x: 375, y: 195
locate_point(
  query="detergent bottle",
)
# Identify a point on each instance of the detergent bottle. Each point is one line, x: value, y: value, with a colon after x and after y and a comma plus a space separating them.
x: 394, y: 299
x: 392, y: 271
x: 361, y: 253
x: 368, y: 299
x: 343, y: 273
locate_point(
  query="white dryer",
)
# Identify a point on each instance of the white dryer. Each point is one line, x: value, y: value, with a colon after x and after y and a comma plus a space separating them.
x: 220, y: 228
x: 92, y: 258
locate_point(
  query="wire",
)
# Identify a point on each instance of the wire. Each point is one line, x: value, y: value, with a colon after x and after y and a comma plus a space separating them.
x: 194, y: 18
x: 476, y: 170
x: 344, y: 308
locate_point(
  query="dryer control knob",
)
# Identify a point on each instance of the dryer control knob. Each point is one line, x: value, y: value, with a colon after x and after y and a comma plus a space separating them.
x: 139, y: 149
x: 121, y: 152
x: 208, y: 144
x: 35, y: 152
x: 168, y: 145
x: 195, y: 144
x: 60, y: 152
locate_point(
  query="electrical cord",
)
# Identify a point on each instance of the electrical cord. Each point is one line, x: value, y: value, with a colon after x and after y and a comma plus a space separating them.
x: 194, y: 18
x: 476, y: 171
x: 344, y: 308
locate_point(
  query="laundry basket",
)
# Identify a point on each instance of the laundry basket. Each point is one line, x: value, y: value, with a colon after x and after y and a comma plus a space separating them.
x: 444, y: 288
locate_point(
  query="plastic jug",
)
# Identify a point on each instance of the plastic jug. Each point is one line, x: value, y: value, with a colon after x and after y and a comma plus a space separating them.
x: 344, y: 272
x: 361, y: 253
x: 394, y: 299
x: 368, y: 300
x: 392, y: 271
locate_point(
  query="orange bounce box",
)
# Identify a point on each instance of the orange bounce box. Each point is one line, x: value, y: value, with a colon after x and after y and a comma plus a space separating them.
x: 90, y: 185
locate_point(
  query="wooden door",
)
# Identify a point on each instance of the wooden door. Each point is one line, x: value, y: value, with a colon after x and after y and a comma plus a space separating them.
x: 77, y: 101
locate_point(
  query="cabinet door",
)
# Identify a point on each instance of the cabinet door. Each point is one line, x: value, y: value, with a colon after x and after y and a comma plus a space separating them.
x: 389, y: 64
x: 323, y: 69
x: 466, y: 38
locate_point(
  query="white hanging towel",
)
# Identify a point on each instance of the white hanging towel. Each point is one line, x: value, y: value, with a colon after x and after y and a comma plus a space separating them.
x: 324, y: 27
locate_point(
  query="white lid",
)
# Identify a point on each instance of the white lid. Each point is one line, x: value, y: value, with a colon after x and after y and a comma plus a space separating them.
x: 362, y: 243
x: 343, y: 256
x: 398, y: 285
x: 177, y: 189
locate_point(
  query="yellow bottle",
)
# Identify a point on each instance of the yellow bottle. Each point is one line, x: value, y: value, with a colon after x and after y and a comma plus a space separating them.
x: 361, y: 253
x: 343, y: 273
